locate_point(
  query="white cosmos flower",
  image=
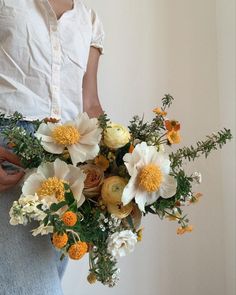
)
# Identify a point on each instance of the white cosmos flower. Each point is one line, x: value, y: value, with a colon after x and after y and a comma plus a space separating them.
x: 150, y: 179
x: 121, y: 243
x: 80, y: 136
x: 49, y: 179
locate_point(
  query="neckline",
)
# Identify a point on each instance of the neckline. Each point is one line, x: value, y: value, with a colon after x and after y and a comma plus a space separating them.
x: 64, y: 13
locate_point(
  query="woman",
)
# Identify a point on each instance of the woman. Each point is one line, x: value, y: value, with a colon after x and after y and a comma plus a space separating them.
x: 49, y: 53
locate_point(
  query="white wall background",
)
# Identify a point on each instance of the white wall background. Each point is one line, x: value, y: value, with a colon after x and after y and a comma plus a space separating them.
x: 186, y: 48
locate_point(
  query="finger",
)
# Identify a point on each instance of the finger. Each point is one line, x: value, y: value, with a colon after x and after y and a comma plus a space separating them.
x: 10, y: 179
x: 5, y: 155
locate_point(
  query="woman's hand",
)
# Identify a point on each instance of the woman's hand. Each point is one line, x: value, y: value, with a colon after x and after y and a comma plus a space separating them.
x: 8, y: 180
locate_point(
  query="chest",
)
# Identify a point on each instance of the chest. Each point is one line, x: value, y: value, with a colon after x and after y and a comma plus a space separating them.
x: 61, y: 6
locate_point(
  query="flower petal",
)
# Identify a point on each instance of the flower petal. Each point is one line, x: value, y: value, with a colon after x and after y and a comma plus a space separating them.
x: 80, y: 153
x: 32, y: 184
x: 152, y: 197
x: 52, y: 147
x: 61, y: 169
x: 46, y: 169
x: 80, y: 201
x: 141, y: 199
x: 129, y: 191
x: 168, y: 187
x: 44, y: 133
x: 77, y: 188
x: 91, y: 138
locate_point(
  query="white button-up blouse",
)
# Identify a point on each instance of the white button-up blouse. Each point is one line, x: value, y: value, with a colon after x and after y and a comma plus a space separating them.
x: 43, y: 60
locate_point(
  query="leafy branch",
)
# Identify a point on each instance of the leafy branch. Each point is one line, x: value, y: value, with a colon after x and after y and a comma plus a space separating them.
x: 213, y: 142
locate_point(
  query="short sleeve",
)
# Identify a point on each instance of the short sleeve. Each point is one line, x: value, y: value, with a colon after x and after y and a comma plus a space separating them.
x: 98, y: 34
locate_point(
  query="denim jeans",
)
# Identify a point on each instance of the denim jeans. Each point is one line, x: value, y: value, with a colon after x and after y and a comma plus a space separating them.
x: 28, y: 265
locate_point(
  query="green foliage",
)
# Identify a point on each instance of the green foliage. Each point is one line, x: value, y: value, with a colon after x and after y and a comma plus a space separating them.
x: 103, y: 121
x: 205, y: 147
x: 24, y: 144
x: 152, y: 132
x: 167, y: 101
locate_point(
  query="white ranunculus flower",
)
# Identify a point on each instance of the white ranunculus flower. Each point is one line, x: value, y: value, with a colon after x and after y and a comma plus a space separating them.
x: 49, y: 179
x: 150, y: 179
x: 80, y: 136
x: 121, y: 243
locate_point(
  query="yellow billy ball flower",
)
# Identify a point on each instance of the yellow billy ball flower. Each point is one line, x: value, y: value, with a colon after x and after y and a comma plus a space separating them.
x: 91, y: 278
x: 78, y: 250
x: 112, y: 189
x: 69, y: 218
x: 59, y: 240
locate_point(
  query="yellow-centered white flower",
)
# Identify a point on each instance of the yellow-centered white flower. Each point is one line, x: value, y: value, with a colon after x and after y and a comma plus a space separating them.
x: 49, y: 179
x: 150, y: 179
x: 80, y: 136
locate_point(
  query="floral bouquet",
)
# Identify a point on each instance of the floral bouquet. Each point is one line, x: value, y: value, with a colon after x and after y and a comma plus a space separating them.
x: 90, y: 181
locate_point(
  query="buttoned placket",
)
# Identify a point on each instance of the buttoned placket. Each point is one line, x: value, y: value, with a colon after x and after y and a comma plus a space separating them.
x: 56, y: 62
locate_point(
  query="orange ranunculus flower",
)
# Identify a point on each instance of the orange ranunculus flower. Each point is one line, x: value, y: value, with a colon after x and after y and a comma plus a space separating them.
x: 173, y: 137
x: 93, y: 181
x: 172, y: 125
x: 159, y: 111
x: 102, y: 162
x: 78, y: 250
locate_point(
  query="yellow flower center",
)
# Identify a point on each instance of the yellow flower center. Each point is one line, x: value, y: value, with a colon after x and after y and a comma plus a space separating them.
x: 52, y: 186
x: 66, y: 135
x: 150, y: 178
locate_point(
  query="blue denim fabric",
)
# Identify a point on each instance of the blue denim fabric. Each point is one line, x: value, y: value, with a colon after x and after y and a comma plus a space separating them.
x: 28, y: 265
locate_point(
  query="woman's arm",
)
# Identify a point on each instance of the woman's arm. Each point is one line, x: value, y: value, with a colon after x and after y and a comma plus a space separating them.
x: 91, y: 101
